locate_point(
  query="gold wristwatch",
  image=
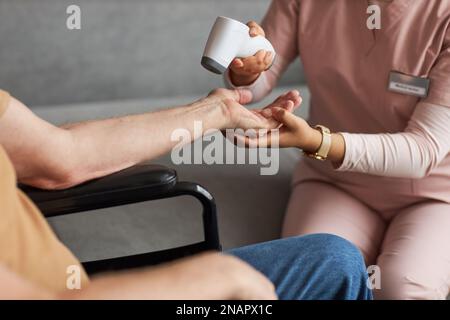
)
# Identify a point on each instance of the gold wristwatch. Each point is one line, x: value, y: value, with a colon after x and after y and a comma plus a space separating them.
x: 322, y: 153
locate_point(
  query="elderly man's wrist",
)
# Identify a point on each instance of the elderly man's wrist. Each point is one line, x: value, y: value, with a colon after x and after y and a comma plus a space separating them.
x: 215, y: 114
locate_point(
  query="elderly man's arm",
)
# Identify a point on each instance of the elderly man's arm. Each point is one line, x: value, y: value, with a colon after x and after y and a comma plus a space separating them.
x: 14, y: 287
x: 51, y: 157
x: 227, y: 278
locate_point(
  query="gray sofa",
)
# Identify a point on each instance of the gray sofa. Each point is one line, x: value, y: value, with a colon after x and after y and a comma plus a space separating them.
x: 129, y: 57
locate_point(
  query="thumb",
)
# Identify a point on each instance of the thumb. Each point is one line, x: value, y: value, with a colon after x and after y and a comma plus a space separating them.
x: 243, y: 96
x: 237, y: 63
x: 285, y: 117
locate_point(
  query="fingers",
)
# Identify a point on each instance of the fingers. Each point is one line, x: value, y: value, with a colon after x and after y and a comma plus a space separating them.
x: 263, y: 60
x: 289, y: 95
x: 260, y: 56
x: 256, y: 64
x: 290, y: 107
x: 267, y: 112
x: 271, y: 139
x: 252, y: 66
x: 285, y: 117
x: 241, y: 96
x: 237, y: 63
x: 287, y: 105
x: 255, y: 29
x: 292, y: 95
x: 268, y: 60
x: 286, y: 101
x: 297, y: 99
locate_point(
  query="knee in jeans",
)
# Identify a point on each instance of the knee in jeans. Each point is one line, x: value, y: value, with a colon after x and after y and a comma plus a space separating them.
x: 332, y: 265
x: 335, y: 246
x: 344, y: 257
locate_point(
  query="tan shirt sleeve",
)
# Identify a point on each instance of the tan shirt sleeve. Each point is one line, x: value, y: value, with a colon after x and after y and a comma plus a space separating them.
x: 4, y: 101
x: 28, y: 246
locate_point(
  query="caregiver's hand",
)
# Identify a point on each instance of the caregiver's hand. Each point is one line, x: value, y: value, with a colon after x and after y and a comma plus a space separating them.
x: 244, y: 71
x: 296, y: 132
x: 237, y: 116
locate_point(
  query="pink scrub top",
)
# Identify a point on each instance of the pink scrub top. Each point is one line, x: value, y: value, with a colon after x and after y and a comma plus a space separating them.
x: 347, y: 67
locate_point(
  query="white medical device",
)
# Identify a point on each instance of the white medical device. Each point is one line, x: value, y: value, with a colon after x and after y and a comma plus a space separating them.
x: 230, y: 39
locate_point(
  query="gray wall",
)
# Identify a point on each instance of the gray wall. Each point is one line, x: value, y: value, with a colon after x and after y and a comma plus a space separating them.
x: 125, y: 49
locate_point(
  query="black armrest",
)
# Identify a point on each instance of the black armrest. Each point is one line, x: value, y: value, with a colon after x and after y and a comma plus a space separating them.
x: 136, y: 184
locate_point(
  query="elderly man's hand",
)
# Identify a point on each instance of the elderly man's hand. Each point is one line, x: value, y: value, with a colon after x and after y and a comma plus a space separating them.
x: 237, y: 116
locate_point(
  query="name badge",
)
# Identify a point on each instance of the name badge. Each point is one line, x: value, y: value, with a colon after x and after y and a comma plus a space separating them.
x: 410, y: 85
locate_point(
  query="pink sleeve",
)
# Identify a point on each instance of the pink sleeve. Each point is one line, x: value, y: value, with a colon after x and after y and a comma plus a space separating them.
x: 280, y: 25
x: 413, y: 153
x: 440, y: 76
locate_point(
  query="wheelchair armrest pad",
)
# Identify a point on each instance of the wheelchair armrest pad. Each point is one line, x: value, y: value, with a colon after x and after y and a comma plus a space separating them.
x: 135, y: 184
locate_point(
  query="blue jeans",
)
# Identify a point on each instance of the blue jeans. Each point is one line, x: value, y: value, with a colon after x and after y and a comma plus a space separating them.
x: 311, y: 267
